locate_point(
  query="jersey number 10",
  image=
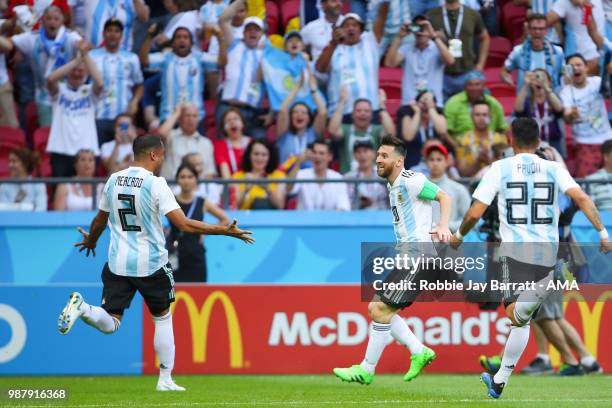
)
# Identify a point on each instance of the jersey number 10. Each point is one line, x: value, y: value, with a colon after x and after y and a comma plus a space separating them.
x: 535, y: 202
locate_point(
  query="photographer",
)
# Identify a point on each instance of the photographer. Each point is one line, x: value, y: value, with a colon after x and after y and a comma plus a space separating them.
x: 423, y: 60
x: 117, y: 154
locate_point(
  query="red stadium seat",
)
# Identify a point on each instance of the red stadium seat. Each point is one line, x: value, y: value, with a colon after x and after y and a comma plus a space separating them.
x: 499, y: 89
x: 288, y: 10
x: 10, y: 139
x: 211, y: 109
x: 392, y: 89
x: 272, y: 18
x: 390, y: 74
x: 498, y: 51
x: 513, y: 19
x: 41, y: 137
x: 507, y: 102
x: 31, y: 113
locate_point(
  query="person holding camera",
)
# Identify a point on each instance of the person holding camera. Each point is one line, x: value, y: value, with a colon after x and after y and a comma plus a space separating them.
x: 117, y: 154
x: 423, y: 60
x: 537, y: 100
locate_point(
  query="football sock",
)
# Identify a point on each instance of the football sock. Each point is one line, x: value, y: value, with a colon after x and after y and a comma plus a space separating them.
x: 99, y: 318
x: 163, y: 342
x: 529, y: 300
x: 402, y: 333
x: 380, y: 335
x: 587, y: 361
x: 515, y: 345
x: 543, y: 357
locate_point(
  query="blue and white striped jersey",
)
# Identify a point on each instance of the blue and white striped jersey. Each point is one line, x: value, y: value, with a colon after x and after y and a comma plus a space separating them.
x: 98, y: 11
x: 528, y: 189
x: 182, y: 79
x: 399, y: 13
x: 136, y: 200
x: 412, y: 215
x: 120, y: 73
x: 210, y: 11
x: 356, y: 67
x: 241, y: 74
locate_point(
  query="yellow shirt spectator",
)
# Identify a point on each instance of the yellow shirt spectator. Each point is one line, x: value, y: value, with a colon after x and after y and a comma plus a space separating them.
x: 475, y: 152
x: 256, y: 196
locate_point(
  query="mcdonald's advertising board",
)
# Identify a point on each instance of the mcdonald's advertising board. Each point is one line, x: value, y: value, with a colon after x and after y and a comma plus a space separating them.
x: 311, y: 329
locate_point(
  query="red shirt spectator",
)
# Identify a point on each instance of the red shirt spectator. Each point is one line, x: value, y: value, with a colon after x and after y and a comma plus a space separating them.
x: 230, y: 148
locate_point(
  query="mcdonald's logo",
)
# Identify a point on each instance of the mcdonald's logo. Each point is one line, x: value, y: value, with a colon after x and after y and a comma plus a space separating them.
x: 591, y: 320
x: 199, y: 320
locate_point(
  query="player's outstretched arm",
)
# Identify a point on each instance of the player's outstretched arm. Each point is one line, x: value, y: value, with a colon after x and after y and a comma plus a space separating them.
x: 179, y: 220
x: 442, y: 231
x: 469, y: 220
x: 90, y: 238
x: 584, y: 202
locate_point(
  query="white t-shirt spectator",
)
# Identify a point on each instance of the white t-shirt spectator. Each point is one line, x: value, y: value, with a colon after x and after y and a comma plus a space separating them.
x: 356, y: 67
x: 573, y: 17
x: 423, y: 69
x: 592, y: 127
x: 73, y: 126
x: 125, y: 150
x: 237, y: 34
x: 188, y: 19
x: 178, y: 145
x: 23, y: 197
x: 321, y: 196
x: 316, y: 35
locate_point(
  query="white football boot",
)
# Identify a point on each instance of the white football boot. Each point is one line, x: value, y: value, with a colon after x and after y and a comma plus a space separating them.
x: 168, y: 385
x: 71, y: 313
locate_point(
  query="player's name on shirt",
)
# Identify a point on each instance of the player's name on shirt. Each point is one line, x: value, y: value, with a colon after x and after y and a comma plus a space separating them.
x: 528, y: 168
x: 127, y: 181
x: 75, y: 104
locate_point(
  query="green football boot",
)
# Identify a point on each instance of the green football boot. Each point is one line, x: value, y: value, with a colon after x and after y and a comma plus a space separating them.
x: 418, y: 362
x: 355, y: 373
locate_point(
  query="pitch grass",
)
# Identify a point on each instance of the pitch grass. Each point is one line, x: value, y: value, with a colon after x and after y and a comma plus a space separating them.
x: 315, y: 391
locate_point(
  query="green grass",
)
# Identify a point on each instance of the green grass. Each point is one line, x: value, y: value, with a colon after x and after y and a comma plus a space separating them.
x: 315, y: 391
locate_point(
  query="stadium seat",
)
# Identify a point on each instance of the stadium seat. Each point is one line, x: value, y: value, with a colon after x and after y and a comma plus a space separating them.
x: 10, y: 138
x: 288, y: 10
x: 272, y: 17
x: 513, y: 19
x: 507, y: 102
x: 40, y: 138
x: 500, y: 89
x: 211, y: 109
x: 31, y: 113
x: 498, y: 51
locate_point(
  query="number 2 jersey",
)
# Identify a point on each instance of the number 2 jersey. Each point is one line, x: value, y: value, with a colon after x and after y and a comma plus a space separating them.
x: 136, y: 200
x: 528, y: 188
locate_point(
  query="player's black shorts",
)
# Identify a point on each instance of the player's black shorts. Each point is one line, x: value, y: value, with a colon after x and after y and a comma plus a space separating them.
x: 513, y: 271
x: 402, y: 298
x: 157, y: 290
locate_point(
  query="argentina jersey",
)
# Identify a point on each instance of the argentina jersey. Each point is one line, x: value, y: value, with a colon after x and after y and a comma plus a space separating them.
x: 412, y: 211
x: 136, y: 200
x: 241, y: 82
x: 528, y: 189
x: 97, y: 12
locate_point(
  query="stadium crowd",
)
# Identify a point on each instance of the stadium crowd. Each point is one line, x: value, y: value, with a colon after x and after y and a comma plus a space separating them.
x: 296, y: 90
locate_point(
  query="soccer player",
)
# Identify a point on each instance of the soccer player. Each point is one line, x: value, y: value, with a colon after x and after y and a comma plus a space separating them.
x: 410, y: 195
x: 134, y: 200
x: 528, y: 189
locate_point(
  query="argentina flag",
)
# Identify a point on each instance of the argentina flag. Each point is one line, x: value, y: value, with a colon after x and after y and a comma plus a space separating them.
x: 281, y: 73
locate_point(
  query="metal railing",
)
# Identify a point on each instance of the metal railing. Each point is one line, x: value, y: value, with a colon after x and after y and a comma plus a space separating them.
x: 585, y: 184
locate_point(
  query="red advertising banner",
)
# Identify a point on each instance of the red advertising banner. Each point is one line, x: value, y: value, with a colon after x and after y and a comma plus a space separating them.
x: 311, y: 329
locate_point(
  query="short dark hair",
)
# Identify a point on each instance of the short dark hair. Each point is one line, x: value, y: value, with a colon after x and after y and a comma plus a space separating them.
x: 272, y: 159
x: 182, y: 28
x: 535, y: 16
x: 398, y: 145
x: 145, y: 144
x: 526, y: 132
x: 186, y: 166
x: 113, y: 21
x: 606, y: 147
x: 567, y: 60
x: 481, y: 102
x: 321, y: 141
x: 358, y: 101
x: 123, y: 115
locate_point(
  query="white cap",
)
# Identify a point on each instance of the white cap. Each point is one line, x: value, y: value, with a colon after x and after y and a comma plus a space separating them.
x: 348, y: 16
x: 254, y: 20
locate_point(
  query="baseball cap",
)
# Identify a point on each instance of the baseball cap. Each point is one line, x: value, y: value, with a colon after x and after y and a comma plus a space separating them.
x: 291, y: 34
x: 439, y: 147
x: 254, y: 20
x: 349, y: 16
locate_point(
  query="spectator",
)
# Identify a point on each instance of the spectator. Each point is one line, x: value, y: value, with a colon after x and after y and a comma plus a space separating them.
x: 122, y: 78
x: 537, y: 100
x: 117, y: 154
x: 98, y: 11
x: 236, y: 24
x: 535, y: 52
x: 420, y: 121
x: 297, y: 127
x: 318, y: 33
x: 438, y: 163
x: 457, y: 109
x: 240, y: 59
x: 187, y: 16
x: 8, y: 116
x: 361, y: 127
x: 542, y: 7
x: 182, y: 72
x: 462, y: 26
x: 27, y: 196
x: 602, y: 192
x: 423, y: 60
x: 499, y: 151
x: 577, y: 39
x: 74, y: 120
x: 78, y: 196
x: 352, y: 60
x: 585, y: 109
x: 366, y: 196
x: 260, y: 161
x: 187, y: 249
x: 210, y: 191
x: 320, y: 196
x: 398, y: 15
x: 210, y: 12
x: 421, y: 166
x: 47, y: 49
x: 184, y: 139
x: 475, y: 147
x: 230, y: 148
